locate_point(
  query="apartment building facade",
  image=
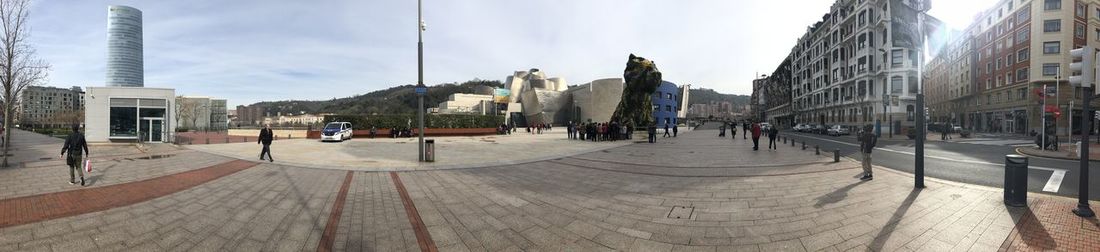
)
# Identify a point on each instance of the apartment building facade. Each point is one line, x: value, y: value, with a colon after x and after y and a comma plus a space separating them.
x: 857, y: 66
x: 51, y: 106
x: 1017, y: 47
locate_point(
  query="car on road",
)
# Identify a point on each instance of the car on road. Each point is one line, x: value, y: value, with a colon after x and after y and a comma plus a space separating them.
x: 336, y: 131
x: 837, y: 130
x: 819, y: 129
x: 799, y: 127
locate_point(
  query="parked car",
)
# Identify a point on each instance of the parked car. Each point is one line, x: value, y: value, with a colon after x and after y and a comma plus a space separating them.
x: 765, y: 125
x: 336, y: 131
x: 956, y: 128
x: 819, y: 129
x: 838, y: 130
x: 799, y: 127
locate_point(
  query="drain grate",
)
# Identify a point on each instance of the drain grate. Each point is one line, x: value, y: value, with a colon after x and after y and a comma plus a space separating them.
x: 681, y: 212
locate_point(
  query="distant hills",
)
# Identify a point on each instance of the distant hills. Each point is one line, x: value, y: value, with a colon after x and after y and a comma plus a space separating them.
x: 402, y: 99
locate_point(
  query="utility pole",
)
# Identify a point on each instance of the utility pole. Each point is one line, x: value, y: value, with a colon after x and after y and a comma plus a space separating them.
x: 420, y: 88
x: 918, y: 159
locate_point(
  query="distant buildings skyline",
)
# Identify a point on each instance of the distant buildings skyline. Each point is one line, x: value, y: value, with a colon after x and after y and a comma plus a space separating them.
x: 125, y: 59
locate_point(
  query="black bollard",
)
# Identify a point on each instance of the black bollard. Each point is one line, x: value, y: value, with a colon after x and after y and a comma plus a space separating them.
x: 836, y: 155
x: 817, y: 150
x: 803, y: 145
x: 792, y: 142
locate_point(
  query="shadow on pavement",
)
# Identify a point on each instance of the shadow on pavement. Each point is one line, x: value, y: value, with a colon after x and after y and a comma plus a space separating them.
x: 836, y: 196
x: 895, y: 219
x: 1034, y: 234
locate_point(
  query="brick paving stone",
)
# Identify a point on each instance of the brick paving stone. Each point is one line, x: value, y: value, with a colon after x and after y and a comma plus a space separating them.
x: 598, y: 201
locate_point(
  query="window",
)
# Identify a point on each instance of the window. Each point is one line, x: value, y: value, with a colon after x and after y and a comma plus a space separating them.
x: 909, y: 112
x: 1079, y: 30
x: 871, y: 87
x: 1022, y: 54
x: 668, y: 96
x: 1052, y: 47
x: 1022, y: 35
x: 668, y: 108
x: 1010, y: 59
x: 988, y: 83
x: 1052, y: 25
x: 1024, y: 14
x: 989, y: 68
x: 1021, y: 74
x: 124, y: 122
x: 1050, y: 69
x: 1052, y: 4
x: 895, y: 84
x: 1080, y: 10
x: 912, y: 84
x: 896, y: 57
x: 1008, y: 77
x: 999, y: 63
x: 1021, y: 93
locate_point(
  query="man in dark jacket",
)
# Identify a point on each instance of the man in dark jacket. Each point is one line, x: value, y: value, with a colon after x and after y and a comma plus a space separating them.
x: 653, y: 133
x: 773, y: 133
x: 867, y: 142
x: 666, y: 131
x: 745, y: 128
x: 265, y: 138
x: 74, y: 144
x: 675, y: 130
x: 755, y: 136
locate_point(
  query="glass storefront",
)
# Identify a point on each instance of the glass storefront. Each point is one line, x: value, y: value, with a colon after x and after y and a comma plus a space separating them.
x: 138, y: 119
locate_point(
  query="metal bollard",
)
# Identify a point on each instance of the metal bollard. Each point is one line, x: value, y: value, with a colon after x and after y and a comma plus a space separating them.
x: 836, y: 155
x: 1015, y: 186
x: 817, y: 150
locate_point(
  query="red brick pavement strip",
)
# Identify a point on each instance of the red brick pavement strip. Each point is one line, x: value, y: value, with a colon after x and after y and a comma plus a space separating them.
x: 423, y: 238
x: 35, y: 208
x: 329, y: 235
x: 1048, y: 225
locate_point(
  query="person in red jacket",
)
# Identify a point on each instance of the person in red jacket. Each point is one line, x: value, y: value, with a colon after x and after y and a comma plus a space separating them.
x: 755, y: 136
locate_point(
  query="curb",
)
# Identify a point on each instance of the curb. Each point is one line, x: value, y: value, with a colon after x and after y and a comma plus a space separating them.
x: 1019, y: 150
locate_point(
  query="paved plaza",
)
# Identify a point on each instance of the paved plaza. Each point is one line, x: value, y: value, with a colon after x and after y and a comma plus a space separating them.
x: 696, y: 192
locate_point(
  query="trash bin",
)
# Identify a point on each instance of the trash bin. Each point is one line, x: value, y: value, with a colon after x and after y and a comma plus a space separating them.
x: 429, y: 150
x: 1015, y: 186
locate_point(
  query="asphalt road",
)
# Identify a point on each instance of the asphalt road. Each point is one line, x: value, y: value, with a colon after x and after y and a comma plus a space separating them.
x: 962, y: 162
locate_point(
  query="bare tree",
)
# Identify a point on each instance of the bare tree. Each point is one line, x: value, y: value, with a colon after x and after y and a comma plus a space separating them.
x: 187, y: 109
x: 19, y: 67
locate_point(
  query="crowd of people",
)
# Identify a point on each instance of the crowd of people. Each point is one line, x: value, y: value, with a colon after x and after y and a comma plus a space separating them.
x: 598, y: 132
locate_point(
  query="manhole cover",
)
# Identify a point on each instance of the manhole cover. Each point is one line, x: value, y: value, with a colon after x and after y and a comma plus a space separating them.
x: 681, y: 212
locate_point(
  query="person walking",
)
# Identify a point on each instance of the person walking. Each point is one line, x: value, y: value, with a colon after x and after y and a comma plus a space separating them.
x: 755, y: 136
x: 666, y: 131
x: 373, y: 131
x: 773, y: 133
x: 569, y: 130
x: 675, y: 130
x: 266, y: 135
x: 74, y: 144
x: 745, y: 128
x: 867, y: 142
x: 733, y: 131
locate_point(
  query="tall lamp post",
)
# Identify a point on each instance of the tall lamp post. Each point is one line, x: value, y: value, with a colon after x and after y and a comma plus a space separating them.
x: 1086, y: 80
x: 918, y: 159
x: 420, y: 88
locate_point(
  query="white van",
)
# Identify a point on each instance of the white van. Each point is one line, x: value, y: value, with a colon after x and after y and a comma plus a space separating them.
x: 336, y: 131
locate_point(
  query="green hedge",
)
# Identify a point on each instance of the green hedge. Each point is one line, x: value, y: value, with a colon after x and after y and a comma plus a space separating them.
x: 430, y: 121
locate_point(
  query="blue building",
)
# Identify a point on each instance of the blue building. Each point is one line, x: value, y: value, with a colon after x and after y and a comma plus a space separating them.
x: 665, y: 104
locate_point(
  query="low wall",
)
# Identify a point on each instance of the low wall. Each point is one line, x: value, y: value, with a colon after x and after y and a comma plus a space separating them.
x: 316, y: 134
x: 280, y: 133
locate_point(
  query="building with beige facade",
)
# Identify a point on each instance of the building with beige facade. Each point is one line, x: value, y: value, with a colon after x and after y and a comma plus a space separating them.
x: 861, y: 53
x: 1015, y: 47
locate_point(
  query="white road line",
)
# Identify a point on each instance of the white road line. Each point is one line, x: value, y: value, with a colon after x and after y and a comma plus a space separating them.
x: 1055, y: 182
x: 938, y: 157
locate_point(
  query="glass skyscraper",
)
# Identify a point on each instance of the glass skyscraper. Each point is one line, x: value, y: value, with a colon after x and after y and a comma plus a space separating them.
x: 124, y: 50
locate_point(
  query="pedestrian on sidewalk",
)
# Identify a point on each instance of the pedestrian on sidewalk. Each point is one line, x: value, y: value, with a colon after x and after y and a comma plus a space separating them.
x: 373, y: 131
x: 569, y: 130
x: 74, y: 144
x: 733, y: 131
x: 773, y: 133
x: 722, y: 130
x: 755, y: 136
x: 666, y: 131
x: 945, y: 132
x: 266, y: 135
x: 745, y: 128
x: 867, y: 142
x: 675, y: 130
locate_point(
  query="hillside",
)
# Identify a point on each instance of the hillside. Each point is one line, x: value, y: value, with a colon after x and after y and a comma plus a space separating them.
x: 395, y: 100
x: 706, y: 95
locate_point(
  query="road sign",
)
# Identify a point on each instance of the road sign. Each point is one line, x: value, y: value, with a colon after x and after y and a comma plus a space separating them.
x: 421, y: 90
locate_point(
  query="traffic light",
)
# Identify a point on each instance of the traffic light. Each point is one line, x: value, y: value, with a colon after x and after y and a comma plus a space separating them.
x: 1083, y: 67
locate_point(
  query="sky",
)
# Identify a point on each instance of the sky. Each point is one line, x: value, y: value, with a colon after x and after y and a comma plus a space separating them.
x: 266, y: 50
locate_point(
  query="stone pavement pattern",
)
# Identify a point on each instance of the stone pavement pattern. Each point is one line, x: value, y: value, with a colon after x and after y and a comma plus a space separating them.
x: 590, y: 202
x: 400, y: 154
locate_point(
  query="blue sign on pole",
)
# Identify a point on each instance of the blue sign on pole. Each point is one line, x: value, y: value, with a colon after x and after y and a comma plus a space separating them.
x: 421, y: 90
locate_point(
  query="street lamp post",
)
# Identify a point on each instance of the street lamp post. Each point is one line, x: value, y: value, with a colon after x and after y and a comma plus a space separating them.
x: 918, y: 159
x: 420, y: 88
